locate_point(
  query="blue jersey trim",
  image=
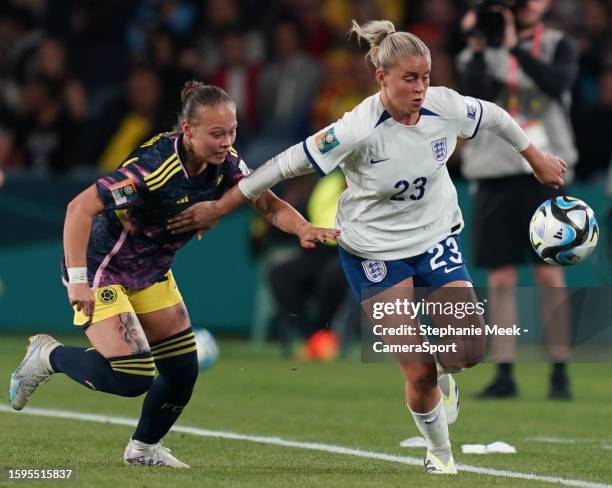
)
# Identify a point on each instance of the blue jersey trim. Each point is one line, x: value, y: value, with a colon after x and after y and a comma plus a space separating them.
x: 425, y: 111
x: 312, y: 161
x: 384, y: 116
x: 479, y: 119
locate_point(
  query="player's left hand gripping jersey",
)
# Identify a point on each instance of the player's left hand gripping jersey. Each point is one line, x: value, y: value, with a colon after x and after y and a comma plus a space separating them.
x: 129, y: 244
x: 400, y: 200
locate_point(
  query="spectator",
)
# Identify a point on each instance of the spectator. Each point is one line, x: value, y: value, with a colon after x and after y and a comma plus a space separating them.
x: 317, y: 38
x: 19, y: 39
x: 162, y: 54
x: 238, y: 77
x: 286, y: 89
x: 288, y: 83
x: 43, y: 139
x: 530, y: 75
x: 51, y: 62
x: 346, y: 82
x: 205, y: 57
x: 138, y: 121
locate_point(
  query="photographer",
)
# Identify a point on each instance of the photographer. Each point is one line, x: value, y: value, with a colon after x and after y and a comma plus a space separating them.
x: 516, y: 61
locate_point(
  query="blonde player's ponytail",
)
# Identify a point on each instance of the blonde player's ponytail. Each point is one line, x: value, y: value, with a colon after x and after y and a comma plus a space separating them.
x: 386, y: 44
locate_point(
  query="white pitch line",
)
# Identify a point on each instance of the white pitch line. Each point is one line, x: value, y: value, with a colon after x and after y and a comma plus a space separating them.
x: 313, y: 446
x: 553, y: 440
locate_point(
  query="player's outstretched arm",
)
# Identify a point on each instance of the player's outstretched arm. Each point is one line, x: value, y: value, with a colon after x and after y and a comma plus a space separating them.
x: 77, y: 226
x: 203, y: 216
x: 283, y: 216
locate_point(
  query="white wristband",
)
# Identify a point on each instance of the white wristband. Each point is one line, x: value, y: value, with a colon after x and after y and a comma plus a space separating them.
x: 77, y: 275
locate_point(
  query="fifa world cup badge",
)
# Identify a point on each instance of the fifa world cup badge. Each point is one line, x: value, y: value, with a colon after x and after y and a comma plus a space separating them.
x: 123, y: 192
x: 326, y: 141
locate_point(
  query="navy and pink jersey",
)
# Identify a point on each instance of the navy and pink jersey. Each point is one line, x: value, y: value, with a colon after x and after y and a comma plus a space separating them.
x: 129, y: 244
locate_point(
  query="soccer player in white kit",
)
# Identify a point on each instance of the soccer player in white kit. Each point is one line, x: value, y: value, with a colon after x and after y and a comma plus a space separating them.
x: 399, y: 217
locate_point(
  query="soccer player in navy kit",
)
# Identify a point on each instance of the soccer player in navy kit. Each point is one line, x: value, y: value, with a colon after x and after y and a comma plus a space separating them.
x: 399, y: 214
x: 118, y: 255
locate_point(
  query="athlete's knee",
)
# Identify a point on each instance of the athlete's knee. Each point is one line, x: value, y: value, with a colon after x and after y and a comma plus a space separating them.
x: 421, y: 376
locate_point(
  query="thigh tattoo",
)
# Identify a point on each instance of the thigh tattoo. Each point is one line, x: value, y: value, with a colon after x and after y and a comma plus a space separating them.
x: 132, y: 333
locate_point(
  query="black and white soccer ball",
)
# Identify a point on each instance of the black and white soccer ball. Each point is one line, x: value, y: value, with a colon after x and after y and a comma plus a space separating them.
x: 564, y: 231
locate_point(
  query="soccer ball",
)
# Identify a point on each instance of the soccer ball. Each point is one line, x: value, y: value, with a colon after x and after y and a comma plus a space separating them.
x: 207, y: 348
x: 563, y: 231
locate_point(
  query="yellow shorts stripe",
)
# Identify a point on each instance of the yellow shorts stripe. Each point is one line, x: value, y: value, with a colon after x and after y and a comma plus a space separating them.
x: 179, y: 341
x: 134, y: 371
x: 175, y: 353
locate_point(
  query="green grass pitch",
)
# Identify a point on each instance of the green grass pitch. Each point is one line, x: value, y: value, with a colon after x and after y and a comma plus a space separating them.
x: 343, y: 403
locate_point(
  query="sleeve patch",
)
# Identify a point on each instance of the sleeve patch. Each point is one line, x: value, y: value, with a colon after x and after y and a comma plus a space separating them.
x: 471, y: 111
x: 326, y: 141
x: 123, y: 192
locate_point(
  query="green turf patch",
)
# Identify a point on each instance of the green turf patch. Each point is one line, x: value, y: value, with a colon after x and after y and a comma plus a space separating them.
x: 343, y: 403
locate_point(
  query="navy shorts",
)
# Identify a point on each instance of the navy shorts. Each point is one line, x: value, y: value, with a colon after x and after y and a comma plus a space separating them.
x: 436, y: 267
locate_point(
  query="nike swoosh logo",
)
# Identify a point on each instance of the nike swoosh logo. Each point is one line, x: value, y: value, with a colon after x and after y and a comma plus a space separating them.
x: 376, y: 161
x: 450, y: 270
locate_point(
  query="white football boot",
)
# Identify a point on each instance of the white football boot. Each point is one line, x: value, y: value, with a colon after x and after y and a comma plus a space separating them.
x: 435, y: 465
x: 142, y: 454
x: 450, y: 397
x: 33, y: 370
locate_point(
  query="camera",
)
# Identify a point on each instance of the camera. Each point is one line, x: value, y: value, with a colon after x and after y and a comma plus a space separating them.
x: 490, y: 23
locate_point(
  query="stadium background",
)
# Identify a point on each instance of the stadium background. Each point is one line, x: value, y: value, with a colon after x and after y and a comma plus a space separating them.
x: 72, y: 72
x: 82, y: 82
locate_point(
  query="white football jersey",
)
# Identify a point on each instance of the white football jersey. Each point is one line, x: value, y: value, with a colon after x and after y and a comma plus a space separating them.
x: 400, y: 200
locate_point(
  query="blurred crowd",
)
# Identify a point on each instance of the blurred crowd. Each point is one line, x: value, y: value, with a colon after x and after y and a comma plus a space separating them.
x: 82, y: 81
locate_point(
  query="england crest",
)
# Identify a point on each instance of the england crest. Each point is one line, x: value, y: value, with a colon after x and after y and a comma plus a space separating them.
x: 375, y: 270
x: 438, y: 148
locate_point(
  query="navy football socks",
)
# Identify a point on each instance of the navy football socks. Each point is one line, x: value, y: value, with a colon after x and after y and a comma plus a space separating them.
x: 128, y: 376
x: 177, y: 362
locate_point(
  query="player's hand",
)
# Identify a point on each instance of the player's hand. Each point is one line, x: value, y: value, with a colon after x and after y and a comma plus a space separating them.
x: 550, y: 170
x: 201, y: 216
x: 308, y: 235
x: 82, y: 298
